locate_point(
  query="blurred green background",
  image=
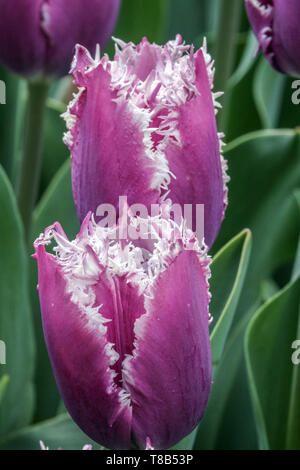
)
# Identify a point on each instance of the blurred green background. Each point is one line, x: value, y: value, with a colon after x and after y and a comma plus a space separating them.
x: 255, y: 273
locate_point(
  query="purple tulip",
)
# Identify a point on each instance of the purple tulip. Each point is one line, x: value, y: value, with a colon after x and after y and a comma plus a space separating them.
x: 144, y: 126
x: 85, y: 447
x: 276, y: 26
x: 127, y: 330
x: 39, y: 36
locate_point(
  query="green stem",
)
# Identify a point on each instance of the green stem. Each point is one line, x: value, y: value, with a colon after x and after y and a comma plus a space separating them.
x: 225, y: 50
x: 29, y: 175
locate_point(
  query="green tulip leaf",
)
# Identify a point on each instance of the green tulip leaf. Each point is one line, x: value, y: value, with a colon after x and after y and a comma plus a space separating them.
x: 55, y: 152
x: 273, y: 378
x: 241, y: 113
x: 268, y: 289
x: 268, y: 91
x: 229, y: 269
x: 187, y: 443
x: 16, y: 329
x: 273, y: 95
x: 265, y: 171
x: 60, y: 432
x: 3, y: 385
x: 56, y: 205
x: 209, y: 429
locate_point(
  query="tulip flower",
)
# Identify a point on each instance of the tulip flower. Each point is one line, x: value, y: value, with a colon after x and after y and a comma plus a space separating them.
x: 276, y: 26
x: 126, y: 324
x: 38, y: 37
x: 143, y: 126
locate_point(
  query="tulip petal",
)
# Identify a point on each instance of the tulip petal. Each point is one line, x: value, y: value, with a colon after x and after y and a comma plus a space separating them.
x: 197, y: 163
x: 169, y: 375
x: 106, y: 141
x: 261, y: 16
x: 80, y: 360
x: 121, y: 304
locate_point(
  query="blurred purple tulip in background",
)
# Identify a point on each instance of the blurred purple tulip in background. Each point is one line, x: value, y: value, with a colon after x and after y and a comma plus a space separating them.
x: 38, y: 37
x: 276, y: 26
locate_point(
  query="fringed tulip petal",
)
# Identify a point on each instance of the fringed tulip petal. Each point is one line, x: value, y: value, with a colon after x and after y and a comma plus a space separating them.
x: 169, y: 376
x: 196, y: 162
x: 107, y: 144
x: 80, y: 356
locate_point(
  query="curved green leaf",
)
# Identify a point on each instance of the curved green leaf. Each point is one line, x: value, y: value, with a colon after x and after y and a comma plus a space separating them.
x: 247, y: 61
x: 272, y: 92
x: 229, y: 269
x: 273, y: 378
x: 16, y: 328
x: 268, y: 91
x: 296, y: 268
x: 3, y: 384
x: 242, y: 115
x: 209, y: 429
x: 60, y: 432
x: 268, y: 288
x: 56, y: 205
x: 265, y: 171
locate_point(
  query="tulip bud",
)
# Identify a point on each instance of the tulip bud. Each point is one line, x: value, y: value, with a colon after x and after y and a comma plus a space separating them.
x: 39, y: 36
x: 126, y: 325
x: 143, y: 126
x: 276, y: 26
